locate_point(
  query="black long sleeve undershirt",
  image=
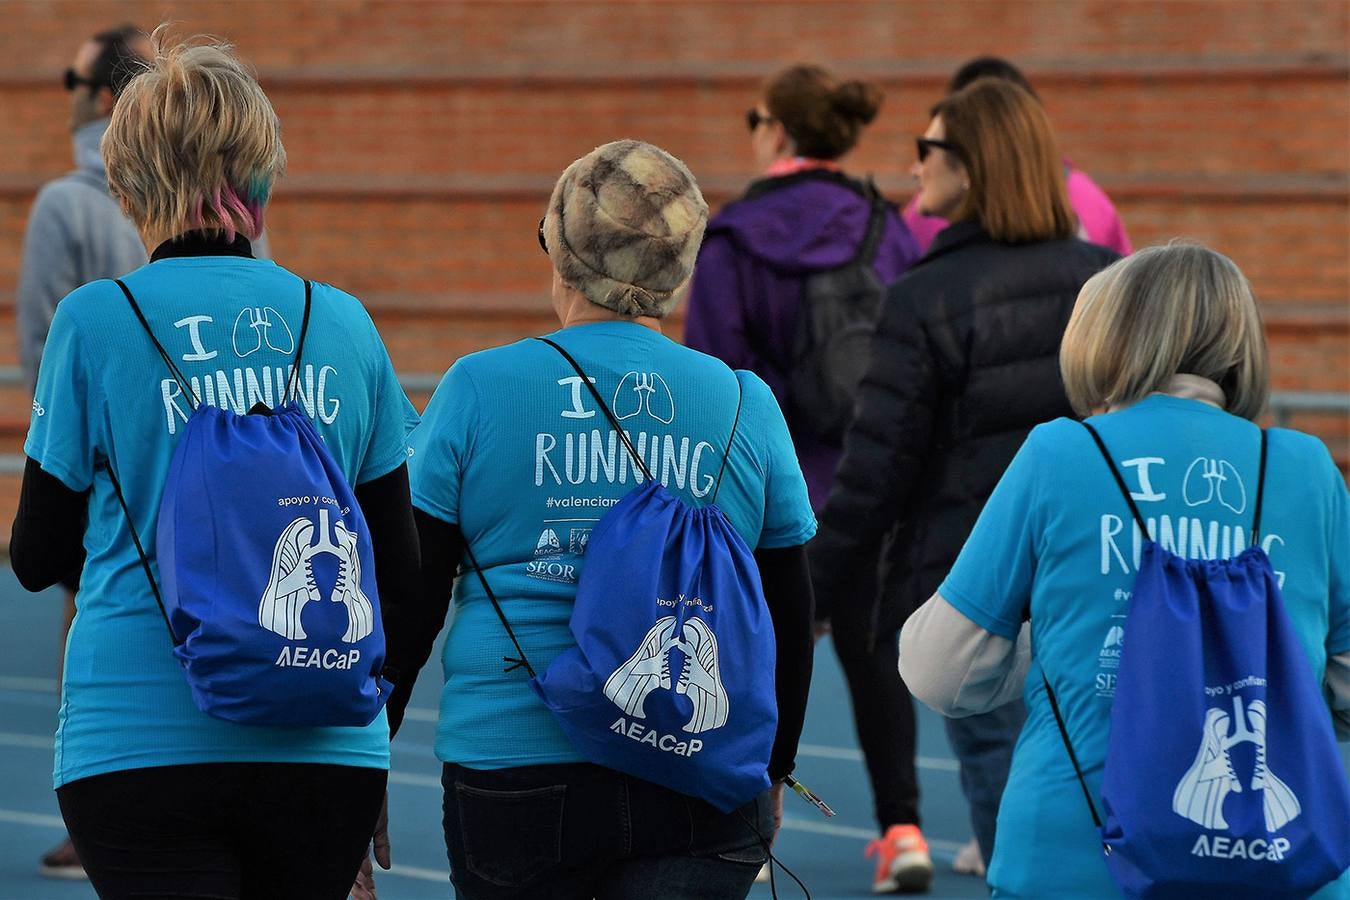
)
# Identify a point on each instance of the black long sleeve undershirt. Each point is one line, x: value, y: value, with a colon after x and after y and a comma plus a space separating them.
x: 442, y: 545
x: 386, y: 503
x: 787, y: 590
x: 46, y: 544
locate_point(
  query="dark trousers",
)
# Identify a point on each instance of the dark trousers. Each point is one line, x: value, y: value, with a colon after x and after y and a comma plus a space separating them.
x: 576, y: 832
x: 883, y: 714
x: 984, y: 745
x: 224, y: 831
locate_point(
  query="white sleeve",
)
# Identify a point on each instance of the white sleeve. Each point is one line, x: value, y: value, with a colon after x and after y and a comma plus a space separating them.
x: 955, y: 666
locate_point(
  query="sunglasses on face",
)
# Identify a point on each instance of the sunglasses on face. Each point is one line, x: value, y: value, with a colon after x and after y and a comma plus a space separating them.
x: 72, y: 80
x: 924, y: 145
x: 543, y: 244
x: 754, y: 118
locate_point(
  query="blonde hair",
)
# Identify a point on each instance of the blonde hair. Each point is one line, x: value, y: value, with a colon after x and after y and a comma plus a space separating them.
x: 193, y: 142
x: 1017, y: 190
x: 1176, y: 309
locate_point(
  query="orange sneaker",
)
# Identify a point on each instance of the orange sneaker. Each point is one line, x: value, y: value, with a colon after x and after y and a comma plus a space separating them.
x: 903, y: 863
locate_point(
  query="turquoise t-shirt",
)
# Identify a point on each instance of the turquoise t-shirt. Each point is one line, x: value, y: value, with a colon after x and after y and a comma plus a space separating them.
x: 514, y: 450
x: 1056, y: 541
x: 104, y: 394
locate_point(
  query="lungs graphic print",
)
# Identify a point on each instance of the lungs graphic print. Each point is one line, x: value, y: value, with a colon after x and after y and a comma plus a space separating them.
x: 291, y: 584
x: 649, y: 668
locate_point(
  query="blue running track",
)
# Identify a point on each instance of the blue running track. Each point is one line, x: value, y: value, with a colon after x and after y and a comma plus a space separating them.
x: 826, y: 854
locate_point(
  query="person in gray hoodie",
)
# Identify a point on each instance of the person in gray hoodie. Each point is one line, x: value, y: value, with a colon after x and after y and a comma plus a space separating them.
x: 76, y: 234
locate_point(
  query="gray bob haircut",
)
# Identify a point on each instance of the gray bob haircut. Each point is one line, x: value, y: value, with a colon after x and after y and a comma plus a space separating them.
x: 1175, y: 309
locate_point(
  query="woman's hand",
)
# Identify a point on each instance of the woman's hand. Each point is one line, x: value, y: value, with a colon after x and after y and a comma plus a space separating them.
x: 776, y: 797
x: 364, y: 886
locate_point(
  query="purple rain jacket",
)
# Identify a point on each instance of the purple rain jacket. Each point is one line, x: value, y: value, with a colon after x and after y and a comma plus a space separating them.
x: 747, y: 284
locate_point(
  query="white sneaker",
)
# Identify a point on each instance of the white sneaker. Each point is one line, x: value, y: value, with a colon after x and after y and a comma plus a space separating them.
x: 968, y: 860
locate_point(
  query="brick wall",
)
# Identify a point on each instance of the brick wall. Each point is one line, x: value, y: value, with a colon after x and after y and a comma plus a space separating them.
x: 424, y: 136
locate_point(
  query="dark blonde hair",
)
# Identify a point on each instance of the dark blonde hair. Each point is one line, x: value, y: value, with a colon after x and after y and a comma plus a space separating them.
x: 193, y: 142
x: 1003, y: 136
x: 822, y: 116
x: 1180, y: 309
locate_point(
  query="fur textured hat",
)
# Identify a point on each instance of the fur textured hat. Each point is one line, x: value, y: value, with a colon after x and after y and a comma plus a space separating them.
x: 624, y: 226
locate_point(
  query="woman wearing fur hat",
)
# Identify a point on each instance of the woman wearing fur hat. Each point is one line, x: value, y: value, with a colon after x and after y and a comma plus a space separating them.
x: 805, y: 216
x: 500, y: 477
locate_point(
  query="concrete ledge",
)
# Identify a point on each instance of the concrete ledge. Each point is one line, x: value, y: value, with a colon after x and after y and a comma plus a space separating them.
x: 1320, y: 188
x: 537, y: 75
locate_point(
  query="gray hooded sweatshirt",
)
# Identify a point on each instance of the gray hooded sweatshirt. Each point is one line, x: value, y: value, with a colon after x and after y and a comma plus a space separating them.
x: 76, y: 234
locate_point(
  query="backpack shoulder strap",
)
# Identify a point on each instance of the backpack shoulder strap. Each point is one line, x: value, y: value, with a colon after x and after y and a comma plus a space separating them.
x: 1120, y: 482
x: 184, y: 385
x: 294, y: 386
x: 735, y: 424
x: 520, y: 661
x: 1260, y: 489
x: 140, y: 551
x: 1073, y: 757
x: 604, y: 407
x: 876, y: 225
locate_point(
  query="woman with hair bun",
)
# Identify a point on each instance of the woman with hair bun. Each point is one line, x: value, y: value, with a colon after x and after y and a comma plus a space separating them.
x: 802, y: 218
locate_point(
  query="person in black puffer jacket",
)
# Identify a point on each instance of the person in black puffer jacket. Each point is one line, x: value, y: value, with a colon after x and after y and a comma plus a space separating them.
x: 964, y: 365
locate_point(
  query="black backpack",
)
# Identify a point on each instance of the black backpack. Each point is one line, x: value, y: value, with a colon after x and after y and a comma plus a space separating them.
x: 832, y: 344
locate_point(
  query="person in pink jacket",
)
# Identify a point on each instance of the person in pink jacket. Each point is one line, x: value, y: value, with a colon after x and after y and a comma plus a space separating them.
x: 1098, y: 220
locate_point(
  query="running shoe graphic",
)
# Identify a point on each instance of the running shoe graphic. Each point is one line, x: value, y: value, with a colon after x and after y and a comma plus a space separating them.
x: 347, y: 590
x: 1278, y: 802
x: 701, y: 678
x: 291, y: 584
x: 646, y: 670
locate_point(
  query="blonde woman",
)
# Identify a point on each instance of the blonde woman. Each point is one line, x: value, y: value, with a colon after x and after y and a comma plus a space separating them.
x: 162, y: 800
x: 1166, y: 354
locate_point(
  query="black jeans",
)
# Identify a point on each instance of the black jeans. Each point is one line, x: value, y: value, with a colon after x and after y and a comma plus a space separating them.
x: 568, y: 832
x: 883, y: 714
x: 224, y: 831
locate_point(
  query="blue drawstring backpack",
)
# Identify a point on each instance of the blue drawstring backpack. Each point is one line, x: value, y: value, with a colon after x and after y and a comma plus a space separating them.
x: 1222, y: 773
x: 268, y: 578
x: 672, y: 676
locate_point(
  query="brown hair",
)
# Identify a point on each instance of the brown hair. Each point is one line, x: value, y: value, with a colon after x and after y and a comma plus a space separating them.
x: 1181, y: 309
x: 1003, y: 136
x: 823, y: 117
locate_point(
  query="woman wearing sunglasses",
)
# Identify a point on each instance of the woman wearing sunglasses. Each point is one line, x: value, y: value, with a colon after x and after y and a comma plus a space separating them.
x: 804, y: 217
x: 963, y: 365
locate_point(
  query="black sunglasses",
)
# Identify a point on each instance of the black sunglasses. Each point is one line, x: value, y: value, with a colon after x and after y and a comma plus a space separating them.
x: 923, y: 145
x: 754, y: 118
x: 73, y: 79
x: 543, y: 244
